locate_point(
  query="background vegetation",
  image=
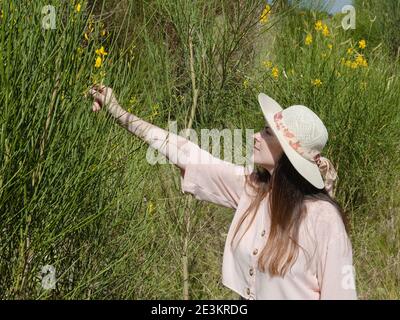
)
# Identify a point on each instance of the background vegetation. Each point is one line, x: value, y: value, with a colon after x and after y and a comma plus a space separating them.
x: 76, y: 191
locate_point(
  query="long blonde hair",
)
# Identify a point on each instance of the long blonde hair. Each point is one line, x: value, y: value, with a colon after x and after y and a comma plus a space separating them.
x: 287, y: 192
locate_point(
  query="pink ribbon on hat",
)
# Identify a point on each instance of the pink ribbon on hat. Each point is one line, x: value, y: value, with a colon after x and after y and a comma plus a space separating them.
x: 328, y: 173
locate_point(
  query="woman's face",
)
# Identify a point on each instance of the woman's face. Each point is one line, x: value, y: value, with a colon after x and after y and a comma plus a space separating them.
x: 267, y: 149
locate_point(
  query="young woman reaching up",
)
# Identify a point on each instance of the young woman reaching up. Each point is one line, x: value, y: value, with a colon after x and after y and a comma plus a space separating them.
x: 288, y: 238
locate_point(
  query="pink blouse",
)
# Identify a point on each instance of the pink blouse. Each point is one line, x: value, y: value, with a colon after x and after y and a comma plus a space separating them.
x: 329, y: 274
x: 323, y: 271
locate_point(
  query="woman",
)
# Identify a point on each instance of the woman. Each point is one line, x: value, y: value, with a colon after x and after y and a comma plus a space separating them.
x: 289, y: 237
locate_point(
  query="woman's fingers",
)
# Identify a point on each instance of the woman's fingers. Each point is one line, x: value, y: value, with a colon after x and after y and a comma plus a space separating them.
x: 99, y: 88
x: 97, y: 96
x: 93, y: 91
x: 101, y: 94
x: 96, y: 106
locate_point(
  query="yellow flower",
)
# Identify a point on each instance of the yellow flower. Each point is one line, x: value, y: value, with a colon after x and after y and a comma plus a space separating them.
x: 154, y: 108
x: 330, y: 46
x: 265, y: 14
x: 91, y: 24
x: 246, y: 83
x: 316, y: 82
x: 98, y: 62
x: 133, y: 100
x: 359, y: 58
x: 308, y: 39
x: 150, y: 207
x: 325, y: 31
x: 267, y: 64
x: 362, y: 44
x: 318, y: 25
x: 361, y: 61
x: 348, y: 63
x: 275, y: 72
x: 78, y: 7
x: 349, y: 50
x: 101, y: 52
x: 365, y: 63
x: 354, y: 65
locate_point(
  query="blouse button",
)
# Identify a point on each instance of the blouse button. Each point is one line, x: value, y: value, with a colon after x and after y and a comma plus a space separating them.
x: 255, y: 251
x: 251, y: 271
x: 263, y: 233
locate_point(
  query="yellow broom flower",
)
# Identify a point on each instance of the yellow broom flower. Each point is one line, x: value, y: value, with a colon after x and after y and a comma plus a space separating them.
x: 362, y: 44
x: 267, y: 64
x: 316, y: 82
x: 101, y: 52
x: 308, y: 39
x: 318, y: 25
x: 265, y: 14
x: 150, y: 207
x: 325, y: 31
x: 361, y: 61
x: 275, y: 72
x: 98, y: 62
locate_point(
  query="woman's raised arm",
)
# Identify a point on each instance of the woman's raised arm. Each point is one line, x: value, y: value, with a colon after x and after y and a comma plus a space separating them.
x: 176, y: 148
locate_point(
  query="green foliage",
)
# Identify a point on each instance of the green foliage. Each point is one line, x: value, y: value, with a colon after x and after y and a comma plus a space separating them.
x: 76, y: 191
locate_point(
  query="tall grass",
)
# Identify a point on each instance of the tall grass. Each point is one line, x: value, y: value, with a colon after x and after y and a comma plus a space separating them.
x: 76, y: 191
x: 360, y: 105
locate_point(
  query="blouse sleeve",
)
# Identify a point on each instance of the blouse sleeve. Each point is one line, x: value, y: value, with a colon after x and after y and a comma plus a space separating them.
x: 211, y: 179
x: 335, y: 271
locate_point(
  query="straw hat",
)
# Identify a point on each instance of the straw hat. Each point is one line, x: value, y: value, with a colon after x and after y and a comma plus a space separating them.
x: 302, y: 136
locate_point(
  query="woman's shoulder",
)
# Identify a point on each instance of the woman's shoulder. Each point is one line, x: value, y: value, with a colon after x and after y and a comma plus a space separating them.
x: 322, y: 212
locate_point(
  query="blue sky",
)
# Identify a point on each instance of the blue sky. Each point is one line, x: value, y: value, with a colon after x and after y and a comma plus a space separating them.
x: 333, y: 5
x: 337, y: 5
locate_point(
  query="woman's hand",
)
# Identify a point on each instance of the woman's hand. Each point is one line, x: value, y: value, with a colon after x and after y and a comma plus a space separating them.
x: 103, y: 97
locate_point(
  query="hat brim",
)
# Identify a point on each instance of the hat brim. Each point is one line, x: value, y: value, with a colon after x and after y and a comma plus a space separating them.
x: 307, y: 169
